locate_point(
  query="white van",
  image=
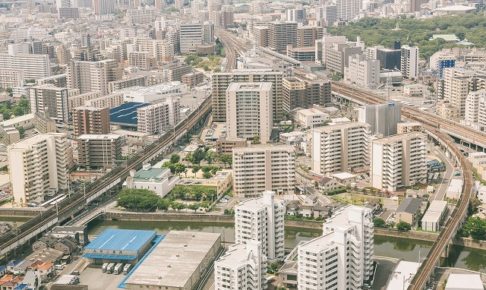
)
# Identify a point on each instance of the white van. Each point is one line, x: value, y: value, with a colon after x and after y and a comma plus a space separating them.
x: 103, y: 268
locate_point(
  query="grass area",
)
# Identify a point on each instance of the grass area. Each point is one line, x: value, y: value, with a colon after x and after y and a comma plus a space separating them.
x: 384, y: 31
x: 211, y: 63
x: 355, y: 198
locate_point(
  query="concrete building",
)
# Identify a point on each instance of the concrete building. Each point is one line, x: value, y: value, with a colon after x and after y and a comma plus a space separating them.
x: 458, y: 83
x: 363, y: 72
x: 103, y: 7
x: 50, y: 101
x: 464, y: 282
x: 249, y: 111
x: 191, y: 35
x: 338, y: 54
x: 262, y: 220
x: 398, y: 161
x: 178, y: 262
x: 91, y: 120
x: 342, y: 258
x: 310, y: 118
x: 382, y: 118
x: 304, y: 91
x: 409, y: 61
x: 11, y: 78
x: 38, y: 167
x: 409, y: 211
x: 281, y: 34
x: 434, y: 216
x: 158, y: 180
x: 159, y: 117
x: 476, y: 109
x: 92, y: 76
x: 261, y: 35
x: 340, y: 147
x: 99, y: 151
x: 403, y: 275
x: 221, y: 82
x: 307, y: 35
x: 243, y: 266
x: 31, y: 66
x: 347, y: 9
x: 263, y: 167
x: 390, y: 59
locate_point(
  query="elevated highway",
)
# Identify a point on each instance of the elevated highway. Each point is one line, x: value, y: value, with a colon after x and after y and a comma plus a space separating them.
x: 77, y: 202
x: 434, y: 126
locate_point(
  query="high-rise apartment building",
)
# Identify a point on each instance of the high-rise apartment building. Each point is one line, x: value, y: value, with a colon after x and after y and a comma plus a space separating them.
x: 263, y: 167
x: 476, y: 109
x: 221, y: 82
x: 304, y: 91
x: 262, y: 219
x: 50, y: 100
x: 398, y: 161
x: 348, y: 9
x: 342, y: 258
x: 281, y: 34
x: 338, y: 54
x: 458, y: 83
x: 38, y: 167
x: 340, y: 147
x: 409, y: 61
x: 191, y: 35
x: 243, y: 266
x: 99, y: 151
x: 261, y: 35
x: 91, y: 120
x: 159, y: 117
x: 362, y: 71
x: 92, y: 76
x: 307, y: 35
x: 249, y: 111
x: 32, y: 66
x: 383, y: 118
x: 103, y: 7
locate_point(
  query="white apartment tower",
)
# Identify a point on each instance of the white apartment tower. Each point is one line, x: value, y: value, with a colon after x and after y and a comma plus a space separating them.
x: 50, y: 100
x: 342, y: 258
x: 92, y: 76
x: 383, y: 118
x: 398, y: 161
x: 38, y: 167
x: 263, y: 167
x: 348, y: 9
x: 243, y: 267
x: 262, y: 219
x: 340, y: 147
x: 409, y: 61
x: 362, y: 71
x: 249, y: 111
x: 476, y: 109
x: 32, y: 66
x: 159, y: 117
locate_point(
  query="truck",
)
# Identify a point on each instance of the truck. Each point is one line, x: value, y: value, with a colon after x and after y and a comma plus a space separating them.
x: 126, y: 268
x: 109, y: 268
x: 118, y: 268
x: 103, y: 268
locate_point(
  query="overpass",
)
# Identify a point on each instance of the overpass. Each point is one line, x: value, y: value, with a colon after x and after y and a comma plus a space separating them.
x: 78, y: 202
x: 434, y: 126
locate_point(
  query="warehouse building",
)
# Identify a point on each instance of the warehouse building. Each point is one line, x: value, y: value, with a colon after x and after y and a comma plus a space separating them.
x: 434, y: 216
x: 177, y: 262
x: 114, y: 245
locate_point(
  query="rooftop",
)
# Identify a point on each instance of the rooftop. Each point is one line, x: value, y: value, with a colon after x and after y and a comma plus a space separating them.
x: 126, y: 114
x: 150, y: 173
x: 464, y: 281
x: 99, y: 137
x: 410, y: 205
x: 115, y: 239
x: 403, y: 272
x: 175, y: 259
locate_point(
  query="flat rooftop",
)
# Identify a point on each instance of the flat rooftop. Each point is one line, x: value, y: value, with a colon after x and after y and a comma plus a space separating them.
x: 405, y: 271
x: 121, y: 240
x: 464, y: 281
x: 126, y: 114
x: 174, y: 260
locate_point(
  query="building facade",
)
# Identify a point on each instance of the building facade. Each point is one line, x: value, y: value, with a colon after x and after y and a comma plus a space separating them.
x: 99, y: 151
x: 159, y: 117
x: 409, y: 61
x: 91, y: 120
x: 51, y: 101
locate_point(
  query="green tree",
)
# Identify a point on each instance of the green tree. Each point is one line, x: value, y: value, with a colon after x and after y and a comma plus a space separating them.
x: 174, y: 158
x: 194, y: 206
x: 476, y: 228
x: 379, y: 222
x: 138, y: 200
x: 403, y: 226
x: 195, y: 169
x: 21, y: 132
x: 207, y: 175
x: 226, y: 159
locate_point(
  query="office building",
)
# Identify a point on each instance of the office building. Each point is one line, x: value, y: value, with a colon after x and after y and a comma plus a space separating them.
x: 51, y: 101
x: 342, y: 258
x: 99, y: 151
x: 409, y: 62
x: 103, y: 7
x: 327, y: 42
x: 340, y: 147
x: 249, y: 111
x: 192, y: 35
x: 476, y: 109
x: 310, y: 118
x: 281, y: 34
x: 141, y: 60
x: 11, y: 78
x: 348, y: 9
x: 338, y: 54
x: 398, y: 161
x: 307, y: 35
x: 32, y: 66
x: 263, y: 167
x: 243, y: 266
x: 296, y: 15
x: 38, y: 167
x: 304, y: 91
x: 261, y: 34
x: 92, y: 76
x: 383, y: 118
x: 262, y: 219
x: 390, y: 59
x: 221, y: 82
x: 91, y: 120
x: 363, y: 72
x: 159, y: 117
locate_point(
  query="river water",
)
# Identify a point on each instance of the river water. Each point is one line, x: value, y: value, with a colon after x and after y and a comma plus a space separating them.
x: 410, y: 250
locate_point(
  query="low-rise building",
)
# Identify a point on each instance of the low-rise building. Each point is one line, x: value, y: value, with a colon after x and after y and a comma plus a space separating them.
x: 99, y: 151
x: 158, y: 180
x: 434, y: 216
x: 409, y: 210
x: 310, y: 118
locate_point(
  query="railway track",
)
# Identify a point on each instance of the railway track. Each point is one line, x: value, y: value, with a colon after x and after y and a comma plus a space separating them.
x: 433, y: 124
x: 76, y: 202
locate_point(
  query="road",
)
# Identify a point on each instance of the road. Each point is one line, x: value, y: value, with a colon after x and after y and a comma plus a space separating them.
x: 434, y: 125
x: 446, y: 178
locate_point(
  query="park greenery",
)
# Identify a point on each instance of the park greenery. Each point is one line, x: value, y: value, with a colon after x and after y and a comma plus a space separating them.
x: 193, y: 193
x: 9, y: 110
x: 385, y: 31
x: 475, y: 228
x: 204, y: 154
x: 210, y: 63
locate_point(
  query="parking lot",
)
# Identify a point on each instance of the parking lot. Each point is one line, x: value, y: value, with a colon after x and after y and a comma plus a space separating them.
x: 97, y: 280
